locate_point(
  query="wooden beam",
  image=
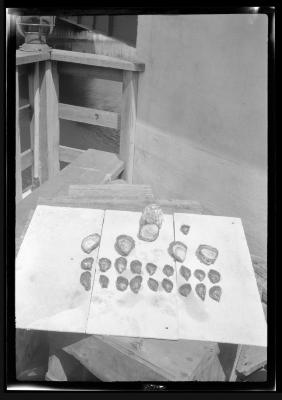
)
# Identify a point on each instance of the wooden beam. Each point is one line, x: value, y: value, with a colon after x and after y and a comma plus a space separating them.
x: 26, y: 159
x: 128, y: 121
x: 24, y: 107
x: 31, y: 101
x: 69, y: 154
x: 24, y: 57
x: 18, y: 144
x: 52, y: 117
x: 36, y: 126
x: 95, y: 60
x: 89, y: 116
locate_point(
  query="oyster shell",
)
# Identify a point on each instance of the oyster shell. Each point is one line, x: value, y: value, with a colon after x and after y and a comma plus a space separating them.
x: 148, y: 232
x: 135, y: 283
x: 207, y: 254
x: 121, y: 283
x: 168, y: 270
x: 177, y: 250
x: 87, y: 263
x: 201, y: 289
x: 85, y: 280
x: 104, y: 281
x: 214, y: 276
x: 104, y: 264
x: 167, y: 285
x: 185, y: 229
x: 152, y: 214
x: 90, y: 242
x: 124, y: 244
x: 199, y: 274
x: 153, y: 284
x: 151, y: 268
x: 185, y: 272
x: 120, y: 264
x: 185, y: 289
x: 215, y: 293
x: 136, y: 266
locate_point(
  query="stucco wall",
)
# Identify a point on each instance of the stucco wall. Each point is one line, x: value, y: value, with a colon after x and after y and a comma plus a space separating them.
x: 201, y: 131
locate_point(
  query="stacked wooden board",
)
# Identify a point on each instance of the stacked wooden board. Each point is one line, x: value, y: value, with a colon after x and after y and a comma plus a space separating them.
x: 50, y: 297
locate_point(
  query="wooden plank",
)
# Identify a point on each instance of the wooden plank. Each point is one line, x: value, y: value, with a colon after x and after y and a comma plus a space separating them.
x: 120, y: 191
x: 251, y: 359
x: 233, y: 375
x: 24, y: 107
x: 69, y: 154
x: 26, y: 159
x: 91, y: 72
x: 89, y: 116
x: 18, y: 144
x: 23, y: 57
x: 128, y: 121
x: 52, y: 114
x: 36, y: 126
x: 95, y: 60
x: 31, y: 95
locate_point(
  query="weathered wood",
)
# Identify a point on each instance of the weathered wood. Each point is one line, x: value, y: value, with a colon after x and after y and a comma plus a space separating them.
x: 95, y: 60
x: 69, y: 154
x: 233, y: 375
x: 18, y: 144
x: 251, y: 359
x: 52, y: 115
x: 36, y: 124
x: 26, y: 159
x: 122, y: 191
x: 23, y: 57
x: 89, y: 116
x: 90, y: 72
x: 128, y: 121
x: 31, y: 101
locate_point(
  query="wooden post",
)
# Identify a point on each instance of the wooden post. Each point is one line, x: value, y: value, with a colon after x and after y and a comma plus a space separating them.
x: 52, y: 111
x: 128, y: 121
x: 18, y: 144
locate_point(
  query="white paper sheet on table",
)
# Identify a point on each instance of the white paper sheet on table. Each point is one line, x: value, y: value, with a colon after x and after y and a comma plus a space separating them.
x: 146, y: 314
x: 49, y: 295
x: 238, y: 317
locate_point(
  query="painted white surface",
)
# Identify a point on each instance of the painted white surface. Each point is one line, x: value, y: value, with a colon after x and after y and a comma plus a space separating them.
x: 146, y: 314
x: 238, y: 317
x: 49, y: 295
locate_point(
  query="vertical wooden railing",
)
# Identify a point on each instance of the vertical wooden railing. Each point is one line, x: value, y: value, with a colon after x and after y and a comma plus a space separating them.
x: 46, y: 152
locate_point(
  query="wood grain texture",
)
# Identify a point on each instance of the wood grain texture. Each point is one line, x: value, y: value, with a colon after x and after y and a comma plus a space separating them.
x: 251, y: 359
x: 23, y: 57
x: 18, y: 144
x: 90, y: 71
x: 95, y: 60
x: 89, y: 116
x: 52, y: 111
x: 128, y: 121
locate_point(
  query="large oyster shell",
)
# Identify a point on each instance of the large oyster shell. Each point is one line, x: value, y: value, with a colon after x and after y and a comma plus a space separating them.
x: 152, y: 214
x: 177, y: 250
x: 124, y: 244
x: 148, y: 232
x: 207, y: 254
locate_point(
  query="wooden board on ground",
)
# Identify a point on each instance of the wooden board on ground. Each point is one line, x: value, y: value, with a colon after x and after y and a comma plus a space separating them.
x: 49, y: 295
x: 147, y: 313
x: 238, y: 317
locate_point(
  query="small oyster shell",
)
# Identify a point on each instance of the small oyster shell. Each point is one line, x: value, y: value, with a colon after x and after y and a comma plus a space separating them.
x: 185, y: 272
x: 136, y: 266
x: 152, y: 214
x: 121, y: 283
x: 124, y: 244
x: 185, y: 229
x: 215, y: 293
x: 185, y: 289
x: 148, y: 232
x: 214, y: 276
x: 201, y: 290
x: 135, y: 283
x: 207, y: 254
x: 199, y: 274
x: 177, y: 250
x: 120, y: 264
x: 104, y: 264
x: 153, y: 284
x: 151, y: 268
x: 104, y: 281
x: 167, y: 285
x: 90, y: 242
x: 85, y: 280
x: 168, y: 270
x: 87, y: 263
